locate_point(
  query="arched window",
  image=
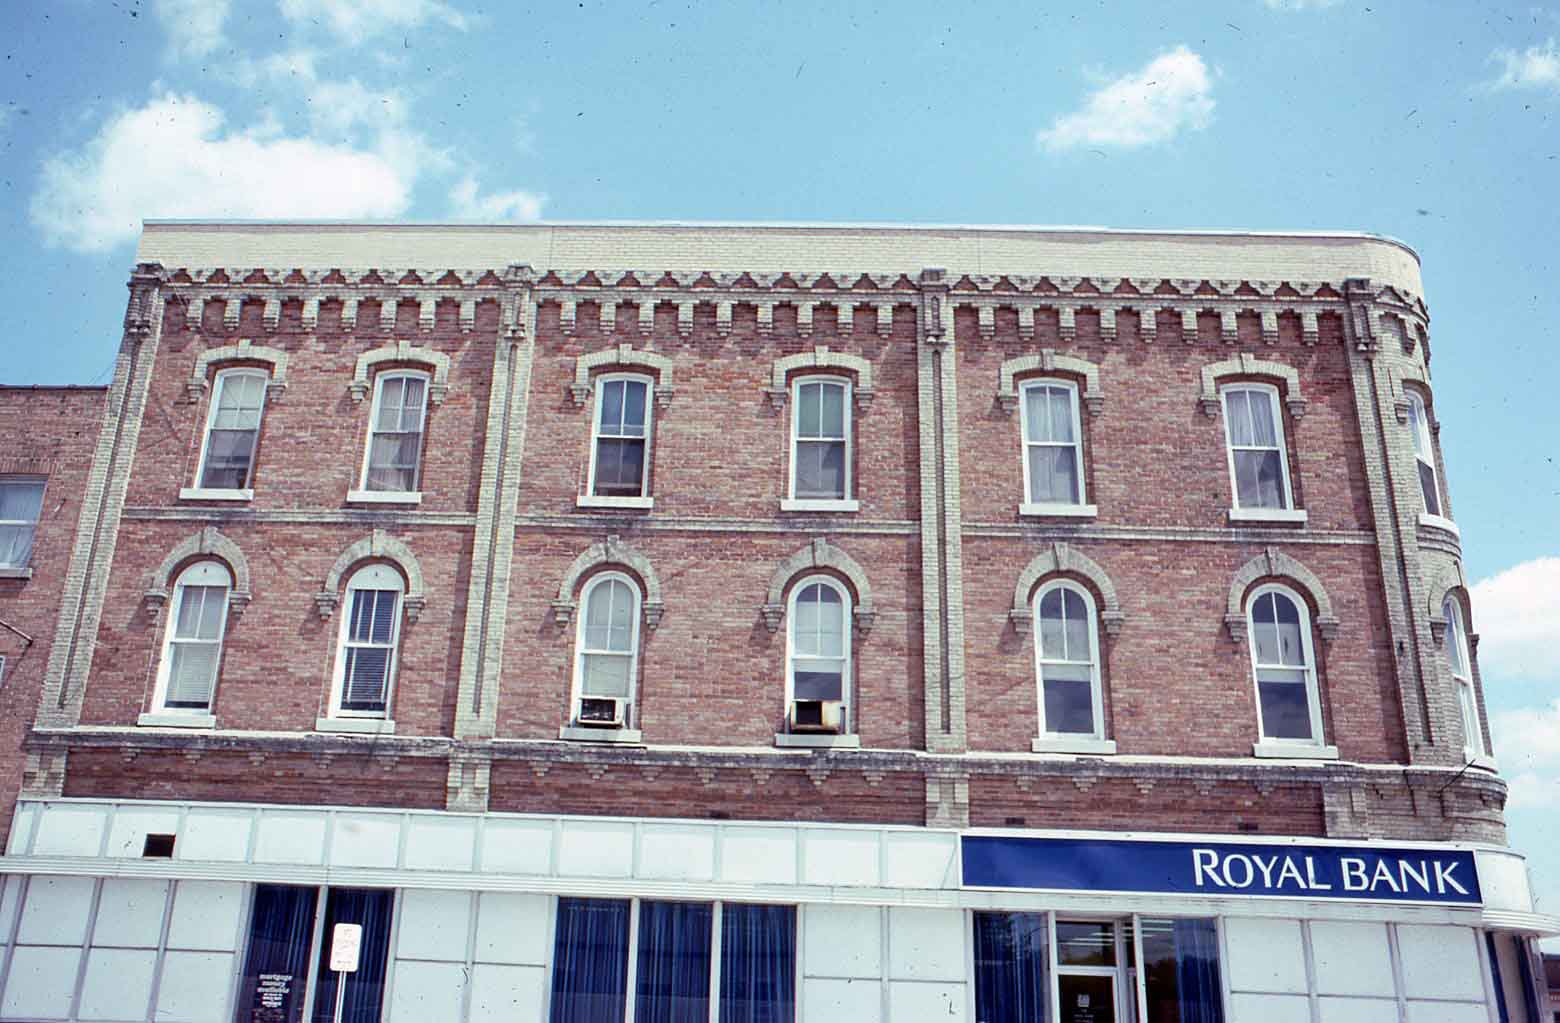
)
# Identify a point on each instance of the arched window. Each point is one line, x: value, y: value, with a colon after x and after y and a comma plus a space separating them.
x: 192, y: 646
x: 620, y: 446
x: 607, y: 653
x: 1288, y: 708
x: 1424, y: 452
x: 366, y: 648
x: 818, y: 669
x: 395, y: 433
x: 1456, y: 647
x: 1053, y: 444
x: 1067, y: 662
x: 227, y: 457
x: 1259, y: 463
x: 820, y: 439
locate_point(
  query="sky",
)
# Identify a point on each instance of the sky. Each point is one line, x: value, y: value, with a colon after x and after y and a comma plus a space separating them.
x: 1432, y: 123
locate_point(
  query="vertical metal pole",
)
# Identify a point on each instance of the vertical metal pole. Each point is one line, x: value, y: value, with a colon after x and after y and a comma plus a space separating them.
x: 341, y: 994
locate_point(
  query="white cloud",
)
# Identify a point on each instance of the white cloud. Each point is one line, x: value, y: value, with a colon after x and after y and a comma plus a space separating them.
x: 194, y: 27
x: 1169, y: 94
x: 1537, y: 67
x: 174, y: 157
x: 1528, y: 745
x: 357, y: 20
x: 1299, y: 5
x: 1517, y: 617
x: 466, y: 203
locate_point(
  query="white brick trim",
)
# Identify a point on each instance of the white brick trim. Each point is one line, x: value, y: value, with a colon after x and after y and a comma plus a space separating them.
x: 819, y: 554
x: 1049, y: 362
x: 1274, y: 562
x: 207, y: 542
x: 437, y: 364
x: 1062, y: 558
x: 378, y: 544
x: 626, y: 356
x: 244, y: 351
x: 1246, y: 364
x: 611, y: 551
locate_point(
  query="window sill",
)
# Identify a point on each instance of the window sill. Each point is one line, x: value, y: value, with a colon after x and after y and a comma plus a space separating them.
x: 215, y: 494
x: 356, y: 726
x: 13, y: 572
x: 175, y: 719
x: 1066, y: 744
x: 1293, y: 751
x: 384, y: 497
x: 1439, y: 522
x: 1267, y: 515
x: 593, y: 501
x: 1071, y: 511
x: 819, y: 504
x: 627, y: 736
x: 803, y: 740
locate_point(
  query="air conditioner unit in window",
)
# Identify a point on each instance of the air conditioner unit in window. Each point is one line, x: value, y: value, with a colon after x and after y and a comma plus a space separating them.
x: 822, y: 716
x: 601, y: 712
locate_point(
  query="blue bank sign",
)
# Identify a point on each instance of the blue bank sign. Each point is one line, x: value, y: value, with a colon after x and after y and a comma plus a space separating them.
x: 1221, y: 868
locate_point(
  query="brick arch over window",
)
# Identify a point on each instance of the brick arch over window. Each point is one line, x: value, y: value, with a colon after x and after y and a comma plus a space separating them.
x: 819, y: 554
x: 625, y: 356
x: 1049, y: 362
x: 207, y: 542
x: 275, y: 358
x: 1449, y: 583
x: 822, y: 360
x: 402, y: 353
x: 1246, y: 364
x: 1058, y: 559
x: 611, y: 551
x: 383, y: 546
x: 1411, y: 375
x: 1274, y: 562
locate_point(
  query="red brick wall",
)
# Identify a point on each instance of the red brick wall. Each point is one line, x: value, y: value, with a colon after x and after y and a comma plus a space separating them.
x: 50, y: 432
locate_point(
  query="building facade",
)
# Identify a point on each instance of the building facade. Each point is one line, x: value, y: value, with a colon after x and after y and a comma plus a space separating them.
x: 654, y: 622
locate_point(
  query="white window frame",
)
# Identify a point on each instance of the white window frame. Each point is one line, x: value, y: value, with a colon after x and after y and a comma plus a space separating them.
x: 43, y: 490
x: 1467, y: 695
x: 1315, y: 747
x: 246, y: 492
x: 375, y: 576
x: 644, y: 499
x: 1028, y: 506
x: 1070, y: 742
x: 847, y: 734
x: 1125, y: 976
x: 630, y: 731
x: 1288, y: 512
x: 413, y: 496
x: 1425, y: 455
x: 848, y: 502
x: 200, y: 573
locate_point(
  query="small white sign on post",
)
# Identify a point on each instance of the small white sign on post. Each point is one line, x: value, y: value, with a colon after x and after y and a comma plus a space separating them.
x: 345, y: 942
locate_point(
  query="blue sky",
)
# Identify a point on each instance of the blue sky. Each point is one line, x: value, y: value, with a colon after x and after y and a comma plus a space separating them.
x: 1434, y: 123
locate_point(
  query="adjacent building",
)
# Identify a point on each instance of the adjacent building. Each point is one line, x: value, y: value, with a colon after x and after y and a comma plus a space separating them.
x: 751, y: 623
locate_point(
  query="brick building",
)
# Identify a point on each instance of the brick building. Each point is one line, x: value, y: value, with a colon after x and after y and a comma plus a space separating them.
x: 753, y: 623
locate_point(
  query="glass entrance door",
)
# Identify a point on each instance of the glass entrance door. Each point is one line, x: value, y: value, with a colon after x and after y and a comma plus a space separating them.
x: 1093, y: 972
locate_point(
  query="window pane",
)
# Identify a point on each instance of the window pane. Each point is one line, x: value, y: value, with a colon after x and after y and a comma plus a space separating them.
x: 188, y: 624
x: 590, y: 961
x: 1286, y: 713
x: 1037, y: 417
x: 371, y: 909
x: 1052, y: 638
x: 1077, y: 633
x: 612, y: 407
x: 1416, y: 426
x: 1060, y: 400
x: 673, y: 979
x: 20, y: 501
x: 390, y: 404
x: 228, y: 454
x: 1086, y: 999
x: 15, y: 545
x: 1053, y: 475
x: 809, y: 416
x: 280, y: 931
x: 1259, y: 481
x: 1090, y: 943
x: 1181, y: 971
x: 1473, y: 733
x: 368, y: 669
x: 757, y: 964
x: 1427, y: 487
x: 820, y: 469
x: 412, y: 401
x: 831, y: 411
x: 619, y: 468
x: 213, y: 604
x: 1264, y: 431
x: 1069, y: 700
x: 1010, y: 967
x: 605, y: 675
x: 818, y: 680
x: 634, y: 408
x: 1238, y: 410
x: 1452, y: 641
x: 192, y: 674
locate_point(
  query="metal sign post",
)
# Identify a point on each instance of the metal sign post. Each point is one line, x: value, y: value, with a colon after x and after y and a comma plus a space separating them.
x: 345, y: 942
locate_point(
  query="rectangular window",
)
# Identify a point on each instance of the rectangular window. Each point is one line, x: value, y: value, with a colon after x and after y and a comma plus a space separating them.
x: 622, y: 438
x: 370, y: 908
x: 396, y: 436
x: 276, y: 968
x: 1052, y: 458
x: 673, y: 951
x: 232, y: 430
x: 820, y: 456
x: 1424, y: 453
x: 1010, y: 967
x: 370, y: 650
x: 21, y: 502
x: 1181, y: 970
x: 195, y: 646
x: 1255, y: 432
